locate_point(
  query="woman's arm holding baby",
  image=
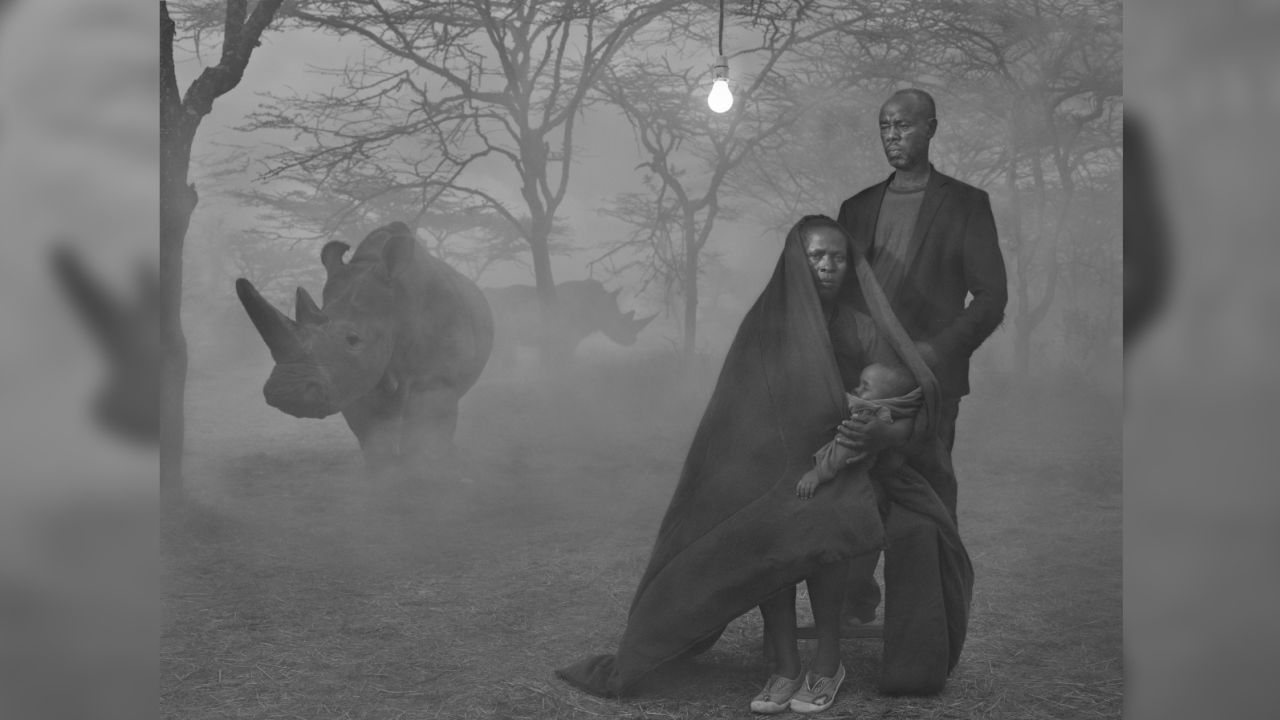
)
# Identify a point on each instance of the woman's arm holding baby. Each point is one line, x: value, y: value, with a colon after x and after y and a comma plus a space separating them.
x: 866, y: 433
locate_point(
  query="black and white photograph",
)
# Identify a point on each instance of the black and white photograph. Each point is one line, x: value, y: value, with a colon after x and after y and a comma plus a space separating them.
x: 667, y: 359
x: 673, y: 359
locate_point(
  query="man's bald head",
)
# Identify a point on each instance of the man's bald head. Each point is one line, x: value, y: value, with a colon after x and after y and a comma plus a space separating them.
x: 920, y: 99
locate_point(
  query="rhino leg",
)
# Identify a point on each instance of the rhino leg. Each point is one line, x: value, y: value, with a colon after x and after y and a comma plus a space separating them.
x: 426, y: 442
x: 375, y: 420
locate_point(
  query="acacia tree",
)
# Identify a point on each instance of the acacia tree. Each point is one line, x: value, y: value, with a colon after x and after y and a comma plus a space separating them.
x: 468, y: 235
x: 496, y: 88
x: 1048, y: 73
x: 831, y: 151
x: 1029, y: 94
x: 180, y: 117
x: 1092, y: 271
x: 689, y: 152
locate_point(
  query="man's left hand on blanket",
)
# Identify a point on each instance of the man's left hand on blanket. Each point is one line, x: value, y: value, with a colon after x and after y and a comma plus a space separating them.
x: 865, y: 434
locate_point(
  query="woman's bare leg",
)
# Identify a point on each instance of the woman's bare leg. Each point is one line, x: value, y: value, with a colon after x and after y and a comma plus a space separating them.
x: 826, y: 597
x: 779, y: 613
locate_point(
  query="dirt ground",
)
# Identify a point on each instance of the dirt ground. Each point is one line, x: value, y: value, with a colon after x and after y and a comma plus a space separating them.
x: 294, y: 587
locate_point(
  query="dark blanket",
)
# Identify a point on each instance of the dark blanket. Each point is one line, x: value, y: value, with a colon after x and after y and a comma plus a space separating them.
x: 928, y: 575
x: 928, y: 582
x: 735, y: 532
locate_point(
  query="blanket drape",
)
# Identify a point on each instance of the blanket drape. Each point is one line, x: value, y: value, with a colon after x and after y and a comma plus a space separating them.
x: 735, y: 532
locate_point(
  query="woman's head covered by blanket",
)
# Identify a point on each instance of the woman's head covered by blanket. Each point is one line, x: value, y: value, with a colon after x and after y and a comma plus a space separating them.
x: 815, y: 235
x: 735, y: 532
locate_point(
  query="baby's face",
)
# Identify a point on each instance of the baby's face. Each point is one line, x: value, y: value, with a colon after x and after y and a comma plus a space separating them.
x: 873, y: 384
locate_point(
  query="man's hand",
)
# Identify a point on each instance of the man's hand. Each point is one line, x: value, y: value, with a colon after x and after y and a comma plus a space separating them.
x: 865, y: 434
x: 808, y: 485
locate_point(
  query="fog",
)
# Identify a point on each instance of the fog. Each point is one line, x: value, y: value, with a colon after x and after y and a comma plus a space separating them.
x: 283, y: 533
x: 524, y: 560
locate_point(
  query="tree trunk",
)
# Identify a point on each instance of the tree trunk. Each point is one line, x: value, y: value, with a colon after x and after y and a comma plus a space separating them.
x: 690, y: 295
x: 1021, y: 333
x: 550, y: 352
x: 179, y: 119
x: 177, y: 201
x: 542, y: 275
x: 1021, y: 342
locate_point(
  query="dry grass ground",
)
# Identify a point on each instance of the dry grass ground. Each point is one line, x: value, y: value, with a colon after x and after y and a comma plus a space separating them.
x: 295, y: 588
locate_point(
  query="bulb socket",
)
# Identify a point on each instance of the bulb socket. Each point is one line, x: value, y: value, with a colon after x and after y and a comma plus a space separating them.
x: 720, y: 71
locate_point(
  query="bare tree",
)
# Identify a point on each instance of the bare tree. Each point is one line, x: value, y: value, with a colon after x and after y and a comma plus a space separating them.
x: 467, y: 234
x: 1048, y: 74
x: 457, y: 93
x: 841, y: 78
x: 180, y: 117
x: 1029, y: 91
x: 689, y: 152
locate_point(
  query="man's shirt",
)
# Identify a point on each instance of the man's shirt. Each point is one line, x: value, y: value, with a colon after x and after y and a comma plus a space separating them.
x: 894, y: 226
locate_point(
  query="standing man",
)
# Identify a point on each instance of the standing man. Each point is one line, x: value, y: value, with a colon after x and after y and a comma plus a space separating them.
x: 931, y: 241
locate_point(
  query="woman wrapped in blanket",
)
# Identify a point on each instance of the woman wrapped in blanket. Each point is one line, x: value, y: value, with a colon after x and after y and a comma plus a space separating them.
x: 735, y: 535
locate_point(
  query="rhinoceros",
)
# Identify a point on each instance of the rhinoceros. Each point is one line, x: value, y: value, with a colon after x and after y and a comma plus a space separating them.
x: 583, y: 306
x: 401, y: 336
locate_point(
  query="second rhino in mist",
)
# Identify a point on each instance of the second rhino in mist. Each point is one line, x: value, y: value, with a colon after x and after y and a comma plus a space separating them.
x: 583, y: 307
x: 400, y: 337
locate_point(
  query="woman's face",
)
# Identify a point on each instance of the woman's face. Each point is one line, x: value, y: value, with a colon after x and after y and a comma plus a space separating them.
x: 828, y: 254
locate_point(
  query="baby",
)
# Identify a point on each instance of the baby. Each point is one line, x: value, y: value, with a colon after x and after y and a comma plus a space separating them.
x: 887, y: 391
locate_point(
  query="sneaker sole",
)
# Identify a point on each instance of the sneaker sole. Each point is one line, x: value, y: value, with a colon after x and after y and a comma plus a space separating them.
x: 810, y: 709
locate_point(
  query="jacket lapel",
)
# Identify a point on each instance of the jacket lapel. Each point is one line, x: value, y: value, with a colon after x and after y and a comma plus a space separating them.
x: 933, y: 196
x: 871, y: 218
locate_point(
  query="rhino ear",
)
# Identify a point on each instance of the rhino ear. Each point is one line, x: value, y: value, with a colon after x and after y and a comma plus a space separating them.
x: 331, y: 255
x: 399, y: 251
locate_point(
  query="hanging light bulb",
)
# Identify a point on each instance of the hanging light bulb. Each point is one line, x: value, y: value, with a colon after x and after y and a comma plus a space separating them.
x: 720, y: 99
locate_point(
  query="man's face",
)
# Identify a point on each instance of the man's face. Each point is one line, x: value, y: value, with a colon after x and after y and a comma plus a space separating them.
x: 905, y: 132
x: 828, y: 253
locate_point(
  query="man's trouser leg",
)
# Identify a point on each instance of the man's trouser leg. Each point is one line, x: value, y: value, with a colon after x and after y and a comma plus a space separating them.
x: 863, y: 595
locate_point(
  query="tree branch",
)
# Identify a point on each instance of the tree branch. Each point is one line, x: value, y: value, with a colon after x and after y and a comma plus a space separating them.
x: 216, y: 81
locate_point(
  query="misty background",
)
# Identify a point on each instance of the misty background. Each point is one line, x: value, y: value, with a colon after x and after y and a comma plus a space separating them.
x: 534, y: 143
x: 1199, y: 584
x: 315, y: 140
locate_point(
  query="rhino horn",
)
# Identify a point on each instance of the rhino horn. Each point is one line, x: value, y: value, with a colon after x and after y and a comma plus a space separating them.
x: 276, y: 329
x: 306, y: 312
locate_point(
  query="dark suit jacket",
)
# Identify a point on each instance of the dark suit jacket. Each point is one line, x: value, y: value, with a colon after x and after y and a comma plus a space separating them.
x: 953, y: 252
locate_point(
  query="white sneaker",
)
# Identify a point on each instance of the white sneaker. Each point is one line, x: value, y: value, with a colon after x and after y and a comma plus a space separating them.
x: 776, y: 695
x: 818, y: 692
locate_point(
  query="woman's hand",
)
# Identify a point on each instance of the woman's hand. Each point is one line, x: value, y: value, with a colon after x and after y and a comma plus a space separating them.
x: 866, y: 433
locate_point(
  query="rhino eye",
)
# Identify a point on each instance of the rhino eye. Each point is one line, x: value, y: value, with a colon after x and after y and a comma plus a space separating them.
x: 353, y: 340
